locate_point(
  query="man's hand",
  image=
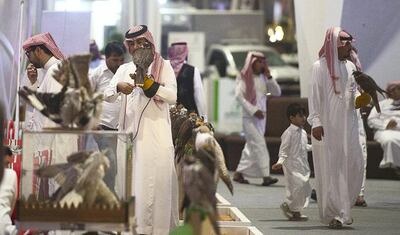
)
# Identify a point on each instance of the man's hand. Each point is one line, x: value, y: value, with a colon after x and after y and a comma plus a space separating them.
x: 391, y: 125
x: 267, y: 73
x: 31, y: 71
x: 276, y: 166
x: 259, y: 114
x: 318, y: 132
x: 125, y: 87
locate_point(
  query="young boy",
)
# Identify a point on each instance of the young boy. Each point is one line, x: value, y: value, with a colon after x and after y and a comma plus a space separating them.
x: 293, y: 159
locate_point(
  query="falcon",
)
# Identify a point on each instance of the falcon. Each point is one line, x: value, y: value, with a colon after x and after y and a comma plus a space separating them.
x: 76, y: 105
x: 368, y: 85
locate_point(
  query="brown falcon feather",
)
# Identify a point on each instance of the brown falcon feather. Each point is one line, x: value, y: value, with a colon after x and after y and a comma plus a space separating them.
x: 76, y: 105
x: 199, y: 185
x: 142, y: 58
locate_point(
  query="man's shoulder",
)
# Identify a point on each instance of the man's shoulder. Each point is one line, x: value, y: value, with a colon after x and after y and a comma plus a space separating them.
x: 98, y: 70
x: 189, y: 66
x: 129, y: 66
x: 287, y: 132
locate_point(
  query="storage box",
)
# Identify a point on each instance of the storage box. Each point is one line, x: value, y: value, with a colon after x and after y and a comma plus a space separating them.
x: 76, y: 180
x: 236, y: 217
x: 233, y: 230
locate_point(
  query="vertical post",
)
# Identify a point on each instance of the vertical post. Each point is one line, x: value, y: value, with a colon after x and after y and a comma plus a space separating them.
x: 16, y: 125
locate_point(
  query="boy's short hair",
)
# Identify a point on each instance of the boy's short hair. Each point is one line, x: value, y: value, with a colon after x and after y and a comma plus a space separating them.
x: 7, y: 151
x: 294, y: 109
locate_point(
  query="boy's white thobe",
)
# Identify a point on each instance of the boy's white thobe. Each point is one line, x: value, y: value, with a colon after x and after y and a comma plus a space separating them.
x: 293, y: 157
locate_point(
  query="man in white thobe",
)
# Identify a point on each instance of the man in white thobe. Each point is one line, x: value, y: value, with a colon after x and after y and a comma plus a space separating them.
x: 338, y: 160
x: 43, y: 52
x: 253, y: 84
x: 387, y: 126
x: 145, y: 112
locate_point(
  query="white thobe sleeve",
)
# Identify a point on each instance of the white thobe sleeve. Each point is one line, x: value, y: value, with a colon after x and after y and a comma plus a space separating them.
x: 239, y: 93
x: 110, y: 93
x: 33, y: 86
x: 315, y: 99
x: 284, y: 148
x: 375, y: 121
x: 273, y: 87
x: 50, y: 85
x: 199, y: 97
x: 94, y: 79
x: 167, y: 90
x: 8, y: 197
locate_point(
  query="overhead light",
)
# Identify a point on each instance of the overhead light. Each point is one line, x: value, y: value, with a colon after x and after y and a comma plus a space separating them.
x: 276, y: 34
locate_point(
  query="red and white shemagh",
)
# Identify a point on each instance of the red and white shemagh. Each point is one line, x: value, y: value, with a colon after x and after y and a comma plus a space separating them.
x: 329, y: 51
x: 44, y: 39
x: 247, y: 75
x: 177, y: 54
x: 141, y: 31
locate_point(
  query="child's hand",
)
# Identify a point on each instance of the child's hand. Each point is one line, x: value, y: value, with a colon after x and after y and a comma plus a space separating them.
x: 276, y: 166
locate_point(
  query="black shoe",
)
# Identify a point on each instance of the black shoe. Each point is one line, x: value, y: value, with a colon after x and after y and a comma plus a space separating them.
x: 268, y: 181
x: 335, y: 224
x: 238, y: 177
x: 313, y: 195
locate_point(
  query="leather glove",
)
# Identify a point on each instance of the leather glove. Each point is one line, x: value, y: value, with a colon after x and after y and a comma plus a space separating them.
x: 148, y: 82
x: 362, y: 100
x: 150, y: 87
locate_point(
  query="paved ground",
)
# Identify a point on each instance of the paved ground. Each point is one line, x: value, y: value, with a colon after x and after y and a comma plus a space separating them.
x: 261, y: 206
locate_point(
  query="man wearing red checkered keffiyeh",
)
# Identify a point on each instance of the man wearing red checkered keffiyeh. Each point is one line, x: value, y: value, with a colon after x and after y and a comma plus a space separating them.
x: 337, y: 153
x: 145, y: 113
x: 254, y: 83
x: 188, y: 79
x: 43, y: 53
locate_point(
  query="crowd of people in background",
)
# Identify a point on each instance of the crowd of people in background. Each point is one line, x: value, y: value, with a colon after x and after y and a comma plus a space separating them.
x: 337, y: 142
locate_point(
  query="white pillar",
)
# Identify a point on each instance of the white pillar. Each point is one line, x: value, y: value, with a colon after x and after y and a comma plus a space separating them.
x: 313, y: 17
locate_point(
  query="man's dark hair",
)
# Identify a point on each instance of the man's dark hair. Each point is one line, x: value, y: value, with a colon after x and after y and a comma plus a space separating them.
x: 43, y: 47
x: 114, y: 47
x: 294, y: 109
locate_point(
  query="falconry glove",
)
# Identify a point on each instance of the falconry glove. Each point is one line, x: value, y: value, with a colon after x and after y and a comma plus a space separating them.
x: 150, y: 87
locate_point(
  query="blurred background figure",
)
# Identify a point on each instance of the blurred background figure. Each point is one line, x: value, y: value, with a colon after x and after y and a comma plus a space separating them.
x: 97, y: 59
x: 188, y: 79
x: 8, y: 186
x: 254, y: 83
x: 387, y: 127
x: 100, y: 79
